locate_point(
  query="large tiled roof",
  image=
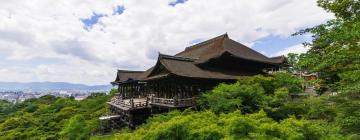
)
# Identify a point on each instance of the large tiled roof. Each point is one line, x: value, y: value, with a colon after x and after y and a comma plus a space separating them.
x: 219, y: 45
x: 186, y: 63
x: 186, y: 67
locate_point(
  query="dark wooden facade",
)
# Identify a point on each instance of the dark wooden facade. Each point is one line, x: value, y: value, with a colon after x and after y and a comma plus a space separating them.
x: 177, y: 81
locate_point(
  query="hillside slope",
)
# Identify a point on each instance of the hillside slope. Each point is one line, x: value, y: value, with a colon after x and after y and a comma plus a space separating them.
x: 52, y: 117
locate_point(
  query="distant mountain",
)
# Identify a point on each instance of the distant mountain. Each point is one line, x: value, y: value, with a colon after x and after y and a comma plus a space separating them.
x: 45, y: 86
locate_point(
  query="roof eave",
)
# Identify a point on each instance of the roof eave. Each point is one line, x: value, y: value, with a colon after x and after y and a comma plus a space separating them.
x: 235, y: 56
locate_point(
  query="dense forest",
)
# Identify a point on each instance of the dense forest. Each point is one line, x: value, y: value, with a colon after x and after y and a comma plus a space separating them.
x: 257, y: 107
x: 52, y: 117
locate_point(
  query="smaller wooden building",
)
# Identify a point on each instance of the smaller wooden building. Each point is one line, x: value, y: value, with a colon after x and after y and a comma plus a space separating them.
x: 176, y: 81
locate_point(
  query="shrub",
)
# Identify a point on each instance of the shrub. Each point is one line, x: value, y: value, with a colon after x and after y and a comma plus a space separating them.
x: 229, y: 97
x: 207, y: 125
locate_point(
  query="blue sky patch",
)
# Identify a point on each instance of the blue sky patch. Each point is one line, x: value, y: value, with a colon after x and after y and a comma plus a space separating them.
x: 196, y: 41
x: 177, y: 2
x: 89, y: 22
x: 273, y: 44
x: 118, y: 10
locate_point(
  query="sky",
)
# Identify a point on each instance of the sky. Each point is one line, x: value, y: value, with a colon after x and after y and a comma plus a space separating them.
x: 86, y: 41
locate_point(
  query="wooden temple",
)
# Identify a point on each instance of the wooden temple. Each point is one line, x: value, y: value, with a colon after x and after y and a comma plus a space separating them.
x: 176, y: 81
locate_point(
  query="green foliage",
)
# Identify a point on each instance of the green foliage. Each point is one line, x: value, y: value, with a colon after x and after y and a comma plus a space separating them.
x: 75, y: 128
x: 291, y: 82
x: 52, y: 117
x: 348, y: 114
x: 252, y: 93
x: 343, y: 9
x: 334, y: 53
x: 5, y: 109
x: 256, y: 107
x: 335, y: 49
x: 295, y: 63
x: 227, y: 98
x: 207, y: 125
x: 281, y: 94
x: 113, y: 91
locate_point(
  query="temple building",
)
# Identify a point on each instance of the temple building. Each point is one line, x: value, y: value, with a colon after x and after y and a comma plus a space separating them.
x: 176, y: 81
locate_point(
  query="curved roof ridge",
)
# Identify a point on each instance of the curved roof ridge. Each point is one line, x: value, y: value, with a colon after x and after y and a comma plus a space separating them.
x: 195, y: 46
x: 126, y: 75
x: 245, y: 52
x: 182, y: 58
x: 250, y: 49
x: 280, y: 56
x: 158, y: 63
x: 130, y: 71
x: 189, y: 69
x: 163, y: 57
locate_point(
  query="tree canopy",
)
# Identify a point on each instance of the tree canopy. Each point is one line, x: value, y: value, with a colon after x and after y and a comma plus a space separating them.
x: 335, y: 47
x: 52, y: 117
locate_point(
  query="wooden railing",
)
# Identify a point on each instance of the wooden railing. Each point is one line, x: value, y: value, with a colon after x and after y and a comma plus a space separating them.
x: 175, y: 102
x: 130, y: 103
x: 136, y: 103
x: 162, y: 100
x: 186, y: 102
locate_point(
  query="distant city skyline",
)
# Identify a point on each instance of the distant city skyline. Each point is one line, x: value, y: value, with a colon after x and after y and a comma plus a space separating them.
x: 85, y: 42
x: 18, y: 92
x: 20, y: 96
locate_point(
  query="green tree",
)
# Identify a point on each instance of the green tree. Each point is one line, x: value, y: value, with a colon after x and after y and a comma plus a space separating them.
x: 335, y: 48
x: 75, y: 129
x: 50, y: 117
x: 230, y: 97
x: 291, y: 82
x: 252, y: 93
x: 113, y: 91
x: 5, y: 109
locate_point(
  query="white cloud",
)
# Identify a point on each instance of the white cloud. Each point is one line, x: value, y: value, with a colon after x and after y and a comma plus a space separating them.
x: 53, y: 29
x: 299, y: 48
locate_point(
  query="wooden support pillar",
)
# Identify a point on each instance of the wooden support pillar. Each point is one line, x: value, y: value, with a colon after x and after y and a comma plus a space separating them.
x: 188, y: 91
x: 184, y: 91
x: 136, y: 91
x: 126, y: 91
x: 169, y: 92
x: 122, y: 90
x: 165, y: 88
x: 155, y: 90
x: 119, y: 88
x: 144, y: 90
x: 132, y: 90
x: 172, y: 88
x: 132, y: 102
x: 159, y: 89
